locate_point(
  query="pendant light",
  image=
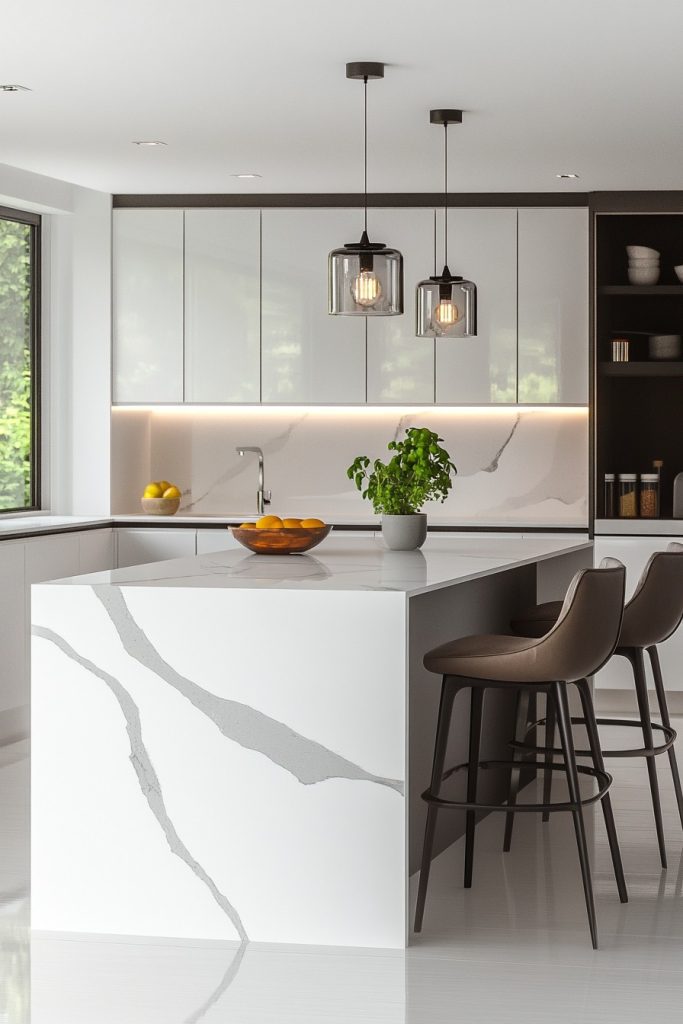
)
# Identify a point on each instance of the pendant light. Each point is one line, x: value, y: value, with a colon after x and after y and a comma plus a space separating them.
x: 446, y: 305
x: 365, y: 278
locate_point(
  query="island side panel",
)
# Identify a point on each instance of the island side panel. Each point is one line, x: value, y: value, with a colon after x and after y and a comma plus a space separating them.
x: 479, y: 606
x: 219, y: 763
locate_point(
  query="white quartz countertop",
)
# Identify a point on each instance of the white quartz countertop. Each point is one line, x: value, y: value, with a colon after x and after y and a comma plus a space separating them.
x: 346, y: 563
x: 25, y: 525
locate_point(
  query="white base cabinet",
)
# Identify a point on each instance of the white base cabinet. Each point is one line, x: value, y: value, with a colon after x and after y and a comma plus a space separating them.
x: 156, y: 544
x: 634, y: 552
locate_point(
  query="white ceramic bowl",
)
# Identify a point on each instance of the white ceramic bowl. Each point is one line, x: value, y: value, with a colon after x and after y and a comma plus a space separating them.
x: 679, y: 272
x: 650, y: 275
x: 665, y: 346
x: 640, y: 252
x: 643, y: 263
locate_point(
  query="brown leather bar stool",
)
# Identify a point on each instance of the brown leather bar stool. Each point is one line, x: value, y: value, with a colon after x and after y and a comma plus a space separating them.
x: 652, y: 615
x: 580, y: 642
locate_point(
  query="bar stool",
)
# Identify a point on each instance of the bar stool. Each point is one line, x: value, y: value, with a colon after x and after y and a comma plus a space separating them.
x: 580, y: 642
x: 652, y: 615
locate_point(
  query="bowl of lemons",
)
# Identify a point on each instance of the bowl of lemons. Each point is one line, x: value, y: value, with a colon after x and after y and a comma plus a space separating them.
x: 160, y: 498
x: 271, y: 535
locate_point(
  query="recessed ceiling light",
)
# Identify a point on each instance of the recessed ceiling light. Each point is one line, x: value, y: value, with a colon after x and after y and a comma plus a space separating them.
x: 14, y: 88
x: 149, y: 142
x: 566, y: 175
x: 246, y: 175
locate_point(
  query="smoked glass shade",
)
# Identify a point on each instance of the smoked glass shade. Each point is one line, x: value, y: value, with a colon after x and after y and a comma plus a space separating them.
x: 446, y: 307
x: 365, y: 279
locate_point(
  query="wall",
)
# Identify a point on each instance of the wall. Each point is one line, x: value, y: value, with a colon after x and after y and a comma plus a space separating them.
x: 516, y: 466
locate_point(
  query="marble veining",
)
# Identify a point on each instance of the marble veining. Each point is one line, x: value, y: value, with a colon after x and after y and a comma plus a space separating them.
x: 308, y: 761
x: 144, y: 770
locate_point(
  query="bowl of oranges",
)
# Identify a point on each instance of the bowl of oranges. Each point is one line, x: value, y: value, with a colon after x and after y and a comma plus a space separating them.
x: 160, y: 498
x: 271, y: 535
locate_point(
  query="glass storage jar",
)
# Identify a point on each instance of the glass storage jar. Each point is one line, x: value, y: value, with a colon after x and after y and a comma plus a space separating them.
x: 649, y: 495
x: 609, y: 495
x: 628, y: 494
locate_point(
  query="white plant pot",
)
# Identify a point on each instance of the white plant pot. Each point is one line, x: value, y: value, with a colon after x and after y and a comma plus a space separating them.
x: 404, y: 533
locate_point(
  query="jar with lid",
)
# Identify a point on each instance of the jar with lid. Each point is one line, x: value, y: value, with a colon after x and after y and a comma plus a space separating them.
x: 649, y: 495
x: 609, y: 495
x: 628, y: 494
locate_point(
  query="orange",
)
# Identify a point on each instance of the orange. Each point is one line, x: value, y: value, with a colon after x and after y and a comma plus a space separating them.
x: 291, y: 524
x: 247, y: 526
x: 309, y: 524
x: 269, y: 523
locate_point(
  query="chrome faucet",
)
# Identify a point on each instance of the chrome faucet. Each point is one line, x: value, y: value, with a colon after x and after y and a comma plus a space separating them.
x: 262, y: 495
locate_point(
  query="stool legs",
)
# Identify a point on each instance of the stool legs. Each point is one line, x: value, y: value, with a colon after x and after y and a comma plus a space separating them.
x: 549, y: 744
x: 442, y: 729
x: 565, y: 729
x: 598, y: 762
x: 521, y: 723
x: 664, y: 713
x: 476, y: 707
x: 635, y: 656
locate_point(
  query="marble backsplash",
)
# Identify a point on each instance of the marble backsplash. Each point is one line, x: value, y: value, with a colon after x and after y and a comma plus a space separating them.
x: 516, y: 466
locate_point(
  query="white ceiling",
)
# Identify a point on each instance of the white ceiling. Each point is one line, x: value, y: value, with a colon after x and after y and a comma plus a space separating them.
x: 592, y: 86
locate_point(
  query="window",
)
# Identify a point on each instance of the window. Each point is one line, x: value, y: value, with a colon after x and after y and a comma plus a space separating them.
x: 19, y: 360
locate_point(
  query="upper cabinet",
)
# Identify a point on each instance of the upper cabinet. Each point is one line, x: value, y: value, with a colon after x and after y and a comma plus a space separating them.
x: 308, y: 356
x: 553, y: 306
x: 230, y: 306
x: 482, y: 247
x: 148, y: 306
x: 401, y: 366
x: 222, y: 314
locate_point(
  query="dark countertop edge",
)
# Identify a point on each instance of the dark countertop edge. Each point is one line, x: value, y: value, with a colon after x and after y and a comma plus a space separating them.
x: 49, y: 531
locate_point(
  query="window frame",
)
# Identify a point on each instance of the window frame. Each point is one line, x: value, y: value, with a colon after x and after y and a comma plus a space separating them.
x: 34, y: 220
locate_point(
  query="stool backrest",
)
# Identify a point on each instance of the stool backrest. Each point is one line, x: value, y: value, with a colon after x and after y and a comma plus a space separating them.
x: 655, y: 610
x: 585, y: 635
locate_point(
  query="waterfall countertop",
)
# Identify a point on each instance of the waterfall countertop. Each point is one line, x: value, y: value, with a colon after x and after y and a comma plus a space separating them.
x: 347, y: 563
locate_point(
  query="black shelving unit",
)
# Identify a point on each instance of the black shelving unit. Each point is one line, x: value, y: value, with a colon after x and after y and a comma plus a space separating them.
x: 637, y: 406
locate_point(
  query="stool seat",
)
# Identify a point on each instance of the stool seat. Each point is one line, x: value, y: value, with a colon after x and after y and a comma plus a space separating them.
x: 537, y: 620
x: 487, y: 656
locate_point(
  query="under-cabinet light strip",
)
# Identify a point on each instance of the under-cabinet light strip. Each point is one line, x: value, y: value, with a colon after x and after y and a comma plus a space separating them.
x: 352, y: 410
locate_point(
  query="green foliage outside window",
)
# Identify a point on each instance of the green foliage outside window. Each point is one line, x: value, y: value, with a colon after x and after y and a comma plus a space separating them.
x: 15, y: 365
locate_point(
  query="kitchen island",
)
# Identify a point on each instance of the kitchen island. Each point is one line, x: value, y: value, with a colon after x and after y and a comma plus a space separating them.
x: 232, y: 746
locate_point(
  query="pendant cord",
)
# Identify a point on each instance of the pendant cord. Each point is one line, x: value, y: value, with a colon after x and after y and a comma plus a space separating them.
x: 365, y: 147
x: 445, y: 194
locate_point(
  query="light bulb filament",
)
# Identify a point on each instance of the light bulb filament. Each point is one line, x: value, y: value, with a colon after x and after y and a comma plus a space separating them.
x: 366, y: 288
x: 446, y: 313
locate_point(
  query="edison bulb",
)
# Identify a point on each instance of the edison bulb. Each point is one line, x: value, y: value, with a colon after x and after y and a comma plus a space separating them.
x: 446, y: 313
x: 366, y: 289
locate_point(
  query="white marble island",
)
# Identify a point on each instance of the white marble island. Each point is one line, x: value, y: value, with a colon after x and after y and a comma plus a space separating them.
x: 232, y: 746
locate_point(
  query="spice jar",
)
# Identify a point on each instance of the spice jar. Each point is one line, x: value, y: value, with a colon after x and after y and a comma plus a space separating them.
x: 628, y: 493
x: 649, y: 495
x: 609, y: 494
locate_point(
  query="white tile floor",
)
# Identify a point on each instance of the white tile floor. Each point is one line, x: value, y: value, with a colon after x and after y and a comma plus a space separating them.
x: 515, y: 948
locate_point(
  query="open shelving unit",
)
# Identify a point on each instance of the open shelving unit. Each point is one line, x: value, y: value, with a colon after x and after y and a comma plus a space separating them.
x: 638, y: 405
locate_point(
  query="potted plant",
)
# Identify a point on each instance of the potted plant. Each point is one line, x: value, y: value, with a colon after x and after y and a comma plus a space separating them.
x: 420, y: 471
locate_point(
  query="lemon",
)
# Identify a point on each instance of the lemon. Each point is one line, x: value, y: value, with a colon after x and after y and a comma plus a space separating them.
x: 152, y: 491
x: 171, y: 491
x: 269, y: 523
x: 164, y: 485
x: 291, y: 524
x: 309, y: 524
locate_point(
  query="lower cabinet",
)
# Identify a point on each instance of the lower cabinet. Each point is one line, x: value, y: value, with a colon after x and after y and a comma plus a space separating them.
x: 13, y: 633
x: 634, y: 552
x: 216, y: 540
x: 155, y: 544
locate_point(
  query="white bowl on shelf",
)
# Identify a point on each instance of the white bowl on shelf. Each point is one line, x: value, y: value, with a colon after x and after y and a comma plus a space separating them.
x: 648, y: 275
x: 678, y: 271
x: 646, y: 262
x: 665, y: 346
x: 641, y: 252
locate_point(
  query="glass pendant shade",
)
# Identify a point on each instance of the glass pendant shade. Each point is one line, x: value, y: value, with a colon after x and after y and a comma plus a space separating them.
x: 446, y: 307
x: 365, y: 279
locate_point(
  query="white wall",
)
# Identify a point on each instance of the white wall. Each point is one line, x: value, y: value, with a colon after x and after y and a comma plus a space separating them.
x: 76, y: 336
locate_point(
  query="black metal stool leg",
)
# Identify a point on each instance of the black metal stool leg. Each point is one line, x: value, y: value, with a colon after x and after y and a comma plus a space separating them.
x: 664, y: 712
x: 598, y: 762
x: 565, y: 728
x: 521, y: 723
x: 549, y: 744
x: 448, y: 692
x: 476, y: 706
x: 638, y: 662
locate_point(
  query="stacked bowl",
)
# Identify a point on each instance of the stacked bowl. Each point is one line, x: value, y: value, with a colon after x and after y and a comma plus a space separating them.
x: 643, y: 264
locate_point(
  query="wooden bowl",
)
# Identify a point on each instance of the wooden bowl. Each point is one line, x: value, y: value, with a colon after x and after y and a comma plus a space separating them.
x: 161, y: 506
x: 281, y: 541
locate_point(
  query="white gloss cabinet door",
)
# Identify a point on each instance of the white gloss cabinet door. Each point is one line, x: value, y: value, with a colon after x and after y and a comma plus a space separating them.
x: 401, y: 365
x: 308, y: 356
x: 148, y: 306
x: 553, y: 306
x: 482, y: 247
x: 222, y: 315
x: 634, y: 552
x: 13, y: 626
x: 155, y: 544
